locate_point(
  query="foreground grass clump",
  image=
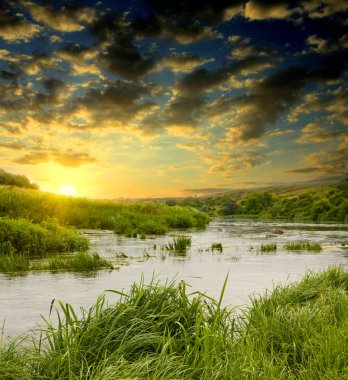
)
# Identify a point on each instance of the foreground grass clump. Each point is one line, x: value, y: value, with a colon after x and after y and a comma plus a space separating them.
x: 299, y: 331
x: 179, y: 244
x: 268, y: 248
x: 216, y: 247
x: 303, y: 246
x: 20, y: 236
x: 124, y: 218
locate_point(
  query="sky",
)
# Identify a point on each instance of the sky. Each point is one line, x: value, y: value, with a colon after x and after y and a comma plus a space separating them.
x: 157, y: 98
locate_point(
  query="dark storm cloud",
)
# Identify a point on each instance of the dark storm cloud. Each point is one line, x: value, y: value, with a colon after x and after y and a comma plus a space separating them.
x: 116, y: 105
x: 183, y: 21
x: 124, y: 58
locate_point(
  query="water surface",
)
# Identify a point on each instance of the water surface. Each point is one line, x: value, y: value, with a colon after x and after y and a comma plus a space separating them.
x: 23, y: 298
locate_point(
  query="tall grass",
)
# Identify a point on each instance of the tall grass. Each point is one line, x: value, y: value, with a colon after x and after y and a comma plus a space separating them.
x: 20, y: 236
x: 179, y: 244
x: 303, y: 246
x: 14, y: 263
x: 124, y: 218
x: 299, y: 331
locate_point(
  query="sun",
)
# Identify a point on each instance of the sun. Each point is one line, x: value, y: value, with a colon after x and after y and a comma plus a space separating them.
x: 66, y: 189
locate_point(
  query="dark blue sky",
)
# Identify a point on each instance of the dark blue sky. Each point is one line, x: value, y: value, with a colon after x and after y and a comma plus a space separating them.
x: 151, y: 98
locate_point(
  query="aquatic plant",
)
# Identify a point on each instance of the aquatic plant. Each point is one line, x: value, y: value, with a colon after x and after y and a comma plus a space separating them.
x: 179, y: 244
x: 302, y: 246
x: 267, y: 248
x: 81, y: 261
x: 297, y: 331
x: 216, y: 247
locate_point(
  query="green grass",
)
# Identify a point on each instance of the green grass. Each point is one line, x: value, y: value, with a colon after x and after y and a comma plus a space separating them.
x: 82, y: 261
x: 267, y: 248
x: 216, y: 247
x: 179, y: 244
x: 298, y: 331
x: 303, y: 246
x: 20, y: 236
x: 14, y: 263
x: 124, y: 218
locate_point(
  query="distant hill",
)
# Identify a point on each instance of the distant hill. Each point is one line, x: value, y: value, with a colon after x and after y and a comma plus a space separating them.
x: 16, y: 180
x: 315, y: 202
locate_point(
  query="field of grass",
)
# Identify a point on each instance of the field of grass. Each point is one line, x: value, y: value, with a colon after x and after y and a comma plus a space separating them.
x: 298, y: 331
x: 130, y: 219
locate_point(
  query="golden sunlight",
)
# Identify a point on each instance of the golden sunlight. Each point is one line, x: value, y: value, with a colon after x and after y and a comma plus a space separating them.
x: 66, y: 189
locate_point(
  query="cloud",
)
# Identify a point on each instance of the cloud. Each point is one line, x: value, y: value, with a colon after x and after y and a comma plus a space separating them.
x: 122, y: 57
x: 14, y: 27
x: 272, y: 96
x: 69, y: 18
x: 324, y: 8
x: 232, y: 162
x: 67, y: 159
x: 184, y: 22
x: 333, y: 102
x: 313, y: 132
x: 261, y: 9
x: 302, y: 170
x: 182, y: 62
x: 116, y: 105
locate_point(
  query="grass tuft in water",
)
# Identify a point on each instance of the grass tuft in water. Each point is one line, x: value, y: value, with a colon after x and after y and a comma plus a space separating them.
x: 179, y: 244
x: 82, y: 261
x: 216, y: 247
x: 303, y: 246
x: 267, y: 249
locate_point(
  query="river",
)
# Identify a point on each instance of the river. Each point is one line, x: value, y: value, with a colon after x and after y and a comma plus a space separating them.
x: 24, y: 298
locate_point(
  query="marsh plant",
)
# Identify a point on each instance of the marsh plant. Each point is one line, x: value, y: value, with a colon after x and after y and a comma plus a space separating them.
x: 298, y: 331
x: 267, y: 249
x: 216, y: 247
x: 303, y: 246
x: 179, y: 244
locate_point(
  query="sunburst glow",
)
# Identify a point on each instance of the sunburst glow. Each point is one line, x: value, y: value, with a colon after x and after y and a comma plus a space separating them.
x: 66, y: 189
